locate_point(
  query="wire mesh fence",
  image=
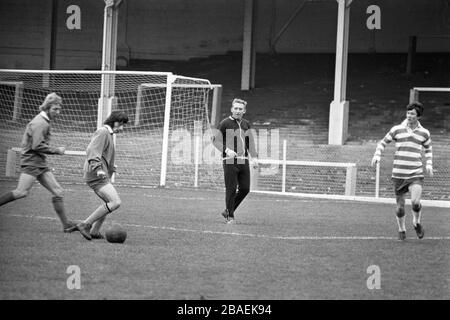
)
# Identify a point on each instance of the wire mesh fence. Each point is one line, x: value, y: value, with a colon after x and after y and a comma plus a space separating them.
x: 192, y: 159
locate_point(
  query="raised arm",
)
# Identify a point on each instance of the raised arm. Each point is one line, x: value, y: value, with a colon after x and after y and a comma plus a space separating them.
x: 388, y: 138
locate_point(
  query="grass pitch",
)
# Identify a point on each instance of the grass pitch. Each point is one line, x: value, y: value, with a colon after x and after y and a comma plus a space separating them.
x: 178, y: 247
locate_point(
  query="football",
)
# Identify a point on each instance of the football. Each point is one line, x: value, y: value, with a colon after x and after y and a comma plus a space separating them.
x: 116, y: 234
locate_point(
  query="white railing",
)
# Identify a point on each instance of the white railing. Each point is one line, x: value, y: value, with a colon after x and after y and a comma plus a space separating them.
x: 350, y: 178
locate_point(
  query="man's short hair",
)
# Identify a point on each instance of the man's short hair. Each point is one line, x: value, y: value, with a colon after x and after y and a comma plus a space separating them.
x: 50, y: 100
x: 417, y: 106
x: 116, y: 116
x: 241, y: 101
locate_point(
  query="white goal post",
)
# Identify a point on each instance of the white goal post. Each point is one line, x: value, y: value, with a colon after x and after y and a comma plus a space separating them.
x: 414, y: 92
x: 169, y: 87
x: 157, y: 103
x: 18, y: 91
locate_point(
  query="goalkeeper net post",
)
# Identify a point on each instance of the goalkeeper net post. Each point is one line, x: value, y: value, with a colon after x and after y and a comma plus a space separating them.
x: 166, y: 105
x: 216, y: 103
x: 105, y: 106
x: 18, y: 93
x: 165, y: 144
x: 414, y: 92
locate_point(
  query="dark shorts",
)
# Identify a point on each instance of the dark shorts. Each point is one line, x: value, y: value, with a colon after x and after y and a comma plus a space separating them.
x: 97, y: 184
x: 34, y: 171
x: 401, y: 186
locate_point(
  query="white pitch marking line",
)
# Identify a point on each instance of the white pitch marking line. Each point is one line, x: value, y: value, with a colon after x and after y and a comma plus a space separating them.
x: 252, y: 235
x: 121, y: 192
x: 248, y: 199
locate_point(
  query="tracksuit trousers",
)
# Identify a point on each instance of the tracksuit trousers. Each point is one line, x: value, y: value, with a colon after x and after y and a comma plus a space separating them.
x: 237, y: 176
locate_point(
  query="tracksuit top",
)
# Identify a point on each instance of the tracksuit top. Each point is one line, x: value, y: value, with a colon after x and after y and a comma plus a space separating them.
x: 235, y: 135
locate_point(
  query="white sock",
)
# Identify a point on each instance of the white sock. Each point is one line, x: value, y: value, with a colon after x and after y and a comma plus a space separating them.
x: 401, y: 223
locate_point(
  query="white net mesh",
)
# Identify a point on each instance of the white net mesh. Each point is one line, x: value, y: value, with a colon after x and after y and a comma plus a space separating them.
x: 320, y: 179
x: 191, y: 158
x: 139, y: 148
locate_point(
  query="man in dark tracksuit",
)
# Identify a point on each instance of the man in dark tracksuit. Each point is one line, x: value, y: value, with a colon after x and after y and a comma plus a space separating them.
x: 235, y: 140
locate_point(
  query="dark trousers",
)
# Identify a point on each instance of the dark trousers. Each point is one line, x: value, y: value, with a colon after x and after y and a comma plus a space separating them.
x: 237, y: 176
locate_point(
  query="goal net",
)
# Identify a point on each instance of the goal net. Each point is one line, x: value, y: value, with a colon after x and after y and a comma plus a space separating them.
x: 156, y: 148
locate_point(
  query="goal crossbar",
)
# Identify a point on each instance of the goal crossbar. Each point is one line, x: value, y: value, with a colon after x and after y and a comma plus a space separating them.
x: 414, y: 92
x: 176, y: 85
x: 432, y: 89
x: 67, y: 152
x: 157, y: 73
x: 11, y: 159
